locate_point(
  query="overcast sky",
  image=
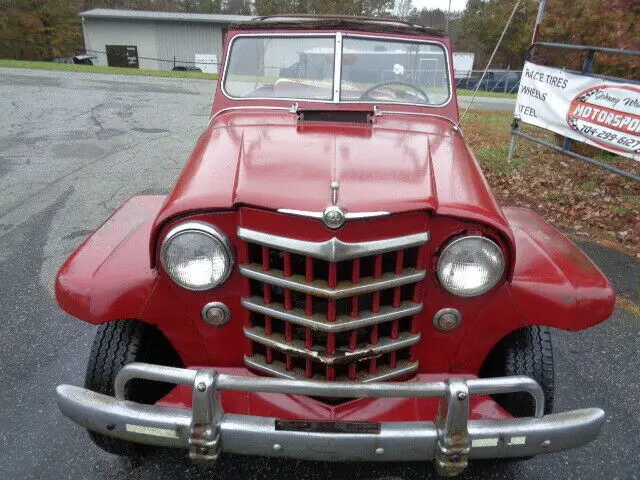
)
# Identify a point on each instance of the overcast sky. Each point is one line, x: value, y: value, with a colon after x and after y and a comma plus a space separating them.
x: 456, y: 5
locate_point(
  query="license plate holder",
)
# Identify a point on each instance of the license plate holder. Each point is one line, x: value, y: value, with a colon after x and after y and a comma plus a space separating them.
x: 326, y: 426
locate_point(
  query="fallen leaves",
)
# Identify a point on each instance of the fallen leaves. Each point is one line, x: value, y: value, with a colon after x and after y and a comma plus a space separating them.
x: 574, y: 196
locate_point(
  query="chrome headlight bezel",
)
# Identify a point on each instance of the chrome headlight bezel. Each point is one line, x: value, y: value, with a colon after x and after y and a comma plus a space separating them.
x: 210, y: 231
x: 477, y: 291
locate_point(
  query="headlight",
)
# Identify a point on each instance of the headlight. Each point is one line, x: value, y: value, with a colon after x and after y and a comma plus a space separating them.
x: 470, y: 266
x: 196, y: 255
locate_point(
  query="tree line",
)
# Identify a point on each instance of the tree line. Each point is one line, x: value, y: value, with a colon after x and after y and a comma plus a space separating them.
x: 44, y: 29
x: 609, y: 23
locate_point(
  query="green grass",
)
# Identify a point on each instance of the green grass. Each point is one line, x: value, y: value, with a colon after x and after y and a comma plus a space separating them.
x: 590, y: 186
x: 495, y: 158
x: 469, y: 93
x: 624, y: 211
x: 606, y: 157
x: 488, y: 117
x: 69, y: 67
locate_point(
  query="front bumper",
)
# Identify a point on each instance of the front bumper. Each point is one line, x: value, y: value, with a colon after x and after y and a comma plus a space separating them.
x: 450, y: 440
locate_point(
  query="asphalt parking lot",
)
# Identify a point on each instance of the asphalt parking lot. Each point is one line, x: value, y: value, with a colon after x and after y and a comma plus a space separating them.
x: 73, y: 147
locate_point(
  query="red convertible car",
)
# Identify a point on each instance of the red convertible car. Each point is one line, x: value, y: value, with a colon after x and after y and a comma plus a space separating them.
x: 331, y: 277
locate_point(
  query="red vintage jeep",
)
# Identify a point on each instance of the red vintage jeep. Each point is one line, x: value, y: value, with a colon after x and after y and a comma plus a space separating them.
x: 331, y: 277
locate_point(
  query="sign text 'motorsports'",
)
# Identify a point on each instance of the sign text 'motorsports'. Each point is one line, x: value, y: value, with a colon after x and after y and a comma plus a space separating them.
x: 600, y: 112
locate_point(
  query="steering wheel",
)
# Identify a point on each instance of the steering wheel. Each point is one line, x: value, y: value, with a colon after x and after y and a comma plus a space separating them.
x: 423, y: 94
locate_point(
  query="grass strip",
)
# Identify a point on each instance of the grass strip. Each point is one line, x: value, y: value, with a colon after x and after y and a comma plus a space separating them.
x: 70, y: 67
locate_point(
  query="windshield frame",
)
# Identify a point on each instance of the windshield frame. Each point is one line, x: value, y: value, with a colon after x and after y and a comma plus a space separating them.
x: 337, y: 69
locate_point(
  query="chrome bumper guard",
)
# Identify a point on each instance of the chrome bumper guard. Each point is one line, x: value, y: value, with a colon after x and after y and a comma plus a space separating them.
x: 450, y: 440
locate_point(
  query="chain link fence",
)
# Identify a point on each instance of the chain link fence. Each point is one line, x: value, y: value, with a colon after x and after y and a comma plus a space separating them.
x: 495, y: 80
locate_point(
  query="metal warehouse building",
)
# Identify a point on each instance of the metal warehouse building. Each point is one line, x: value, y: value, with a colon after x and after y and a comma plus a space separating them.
x: 155, y: 40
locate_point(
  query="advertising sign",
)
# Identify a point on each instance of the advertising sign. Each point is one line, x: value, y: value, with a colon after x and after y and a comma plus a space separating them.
x: 462, y: 64
x: 602, y: 113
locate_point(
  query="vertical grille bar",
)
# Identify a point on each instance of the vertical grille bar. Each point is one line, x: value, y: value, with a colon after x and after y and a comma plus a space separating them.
x: 266, y: 288
x: 288, y: 305
x: 421, y: 261
x: 397, y: 291
x: 243, y: 259
x: 355, y: 279
x: 375, y: 308
x: 355, y: 310
x: 331, y: 317
x: 308, y: 337
x: 266, y: 294
x: 397, y: 297
x: 353, y: 336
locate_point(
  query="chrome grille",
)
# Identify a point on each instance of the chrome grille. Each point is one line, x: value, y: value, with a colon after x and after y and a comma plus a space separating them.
x: 332, y: 310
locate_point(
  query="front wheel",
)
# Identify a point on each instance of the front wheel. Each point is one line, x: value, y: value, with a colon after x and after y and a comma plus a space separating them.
x: 528, y: 352
x: 117, y: 344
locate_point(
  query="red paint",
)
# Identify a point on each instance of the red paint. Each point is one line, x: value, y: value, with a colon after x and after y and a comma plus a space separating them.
x: 250, y: 162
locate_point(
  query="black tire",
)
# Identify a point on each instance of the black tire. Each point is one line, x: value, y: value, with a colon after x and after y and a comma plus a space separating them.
x: 116, y: 344
x: 529, y: 352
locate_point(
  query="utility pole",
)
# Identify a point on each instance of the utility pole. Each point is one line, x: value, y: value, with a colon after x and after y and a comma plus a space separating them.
x: 515, y: 125
x: 536, y: 28
x: 446, y: 28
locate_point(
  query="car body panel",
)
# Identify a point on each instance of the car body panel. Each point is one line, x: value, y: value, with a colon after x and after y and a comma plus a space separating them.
x: 553, y: 277
x: 108, y: 277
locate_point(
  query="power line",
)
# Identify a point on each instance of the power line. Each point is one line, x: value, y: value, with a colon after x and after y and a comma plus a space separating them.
x: 111, y: 54
x: 506, y: 27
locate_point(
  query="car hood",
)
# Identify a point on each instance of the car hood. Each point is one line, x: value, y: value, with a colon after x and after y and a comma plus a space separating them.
x: 294, y: 168
x: 272, y: 161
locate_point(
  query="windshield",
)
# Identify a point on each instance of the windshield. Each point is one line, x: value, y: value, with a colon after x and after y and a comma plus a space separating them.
x: 281, y: 67
x: 372, y: 70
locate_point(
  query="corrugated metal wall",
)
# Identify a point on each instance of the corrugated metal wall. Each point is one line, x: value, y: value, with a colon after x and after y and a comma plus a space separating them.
x: 157, y: 42
x: 183, y: 40
x: 100, y: 32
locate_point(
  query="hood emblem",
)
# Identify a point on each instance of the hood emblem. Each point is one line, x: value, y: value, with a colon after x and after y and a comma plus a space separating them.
x: 333, y: 216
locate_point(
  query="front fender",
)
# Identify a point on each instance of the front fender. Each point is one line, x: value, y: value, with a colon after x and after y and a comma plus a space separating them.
x: 109, y: 260
x: 109, y: 278
x: 554, y: 283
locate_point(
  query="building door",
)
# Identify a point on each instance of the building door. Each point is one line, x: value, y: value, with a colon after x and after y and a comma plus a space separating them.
x: 122, y: 56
